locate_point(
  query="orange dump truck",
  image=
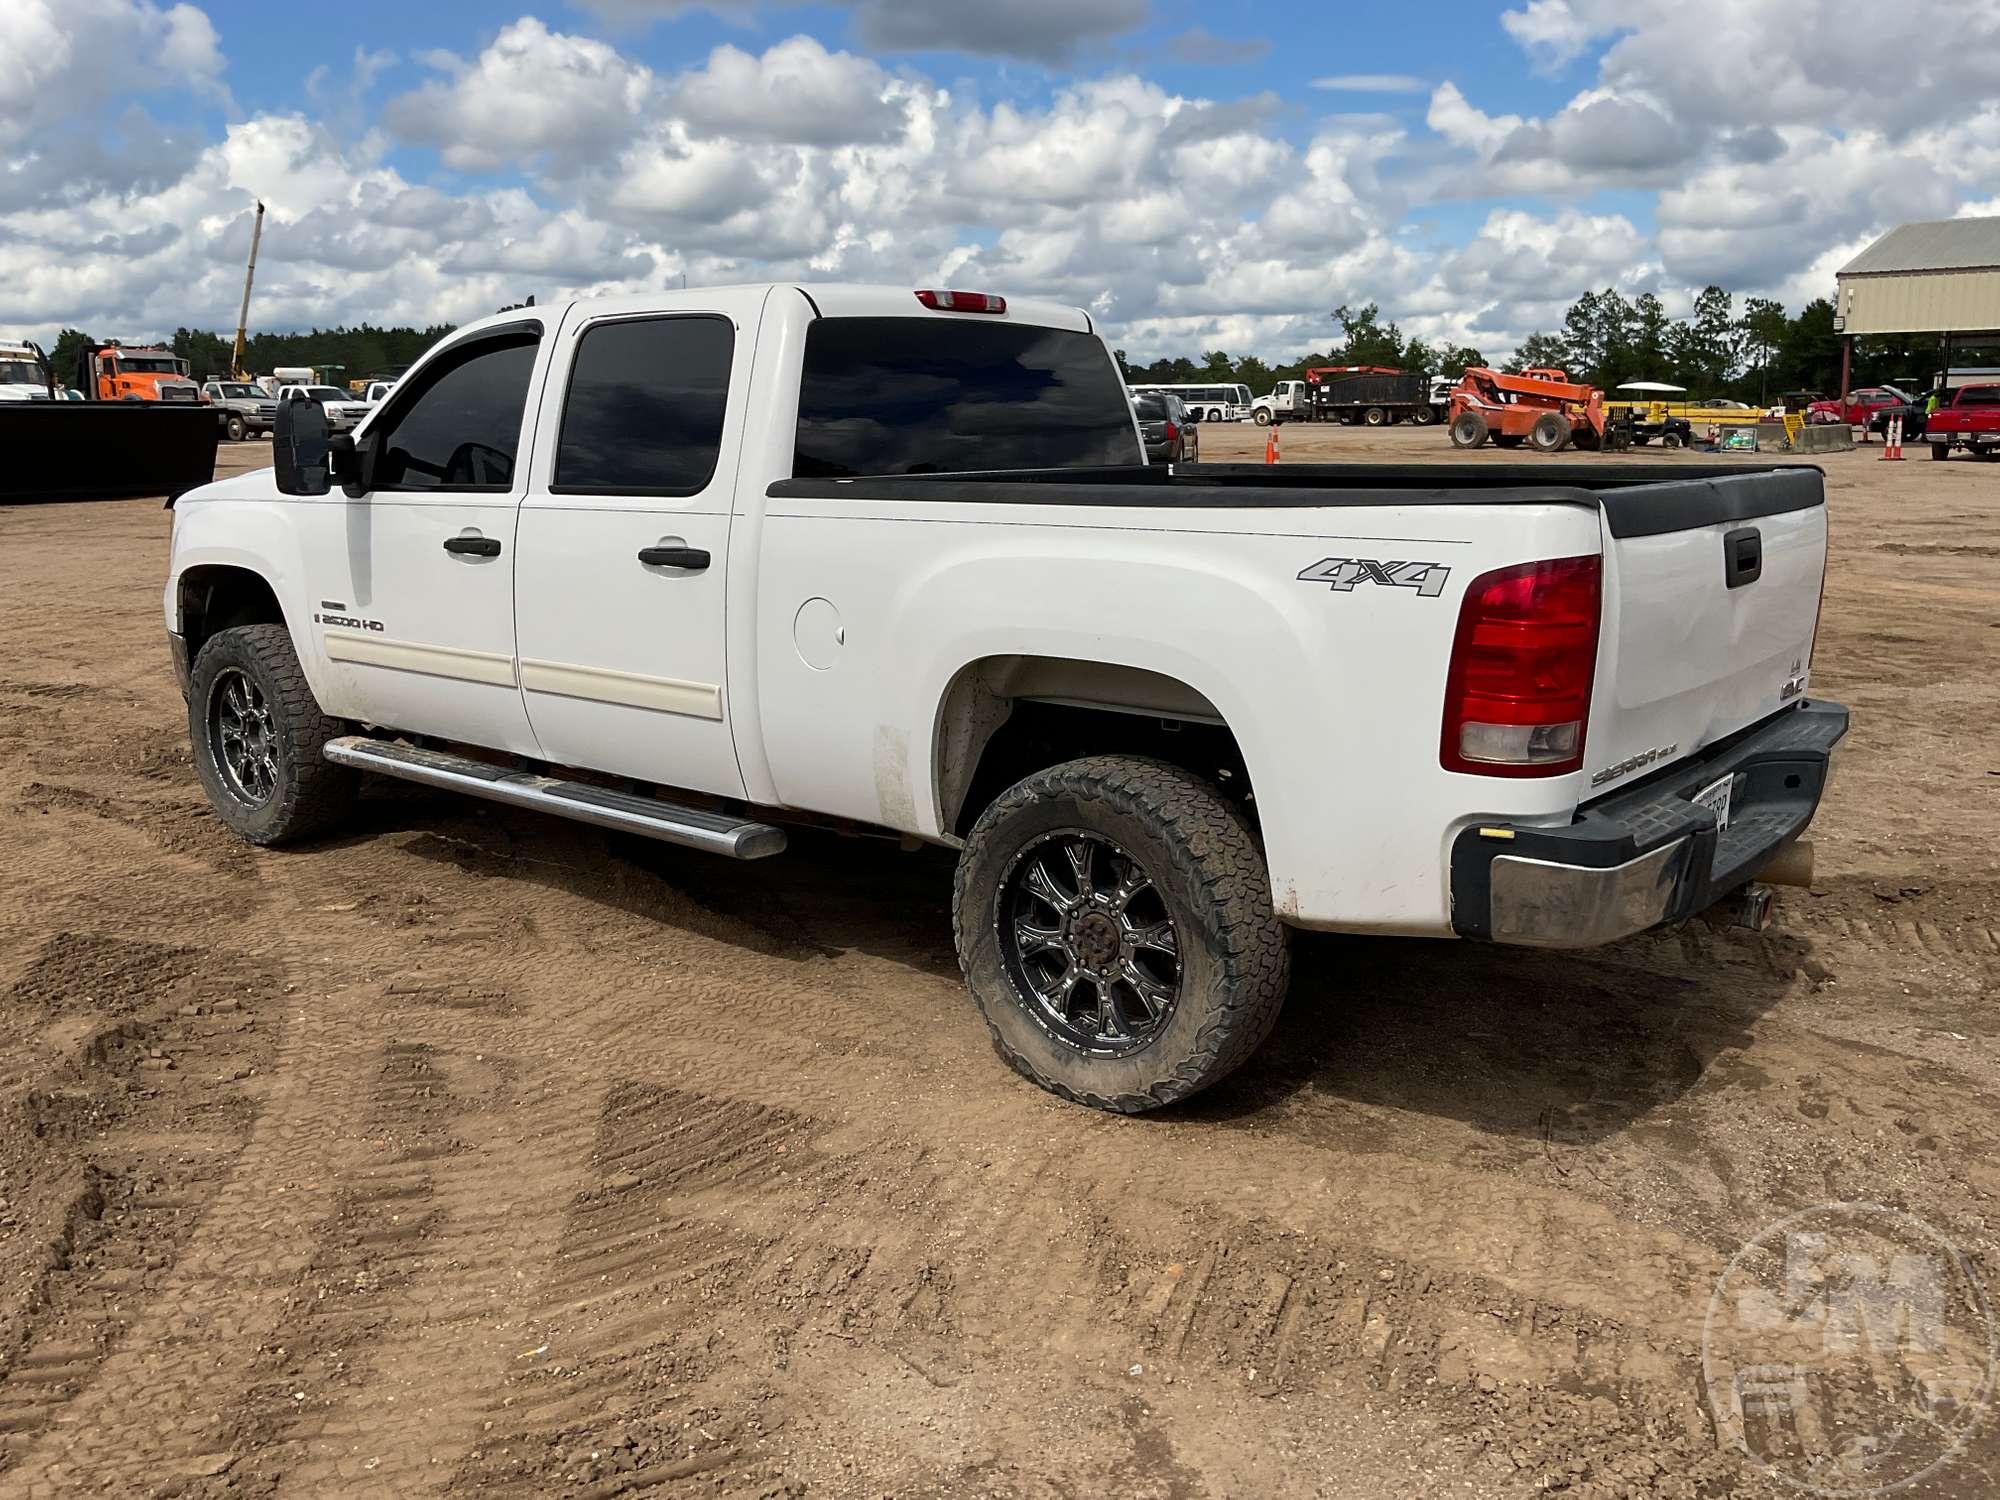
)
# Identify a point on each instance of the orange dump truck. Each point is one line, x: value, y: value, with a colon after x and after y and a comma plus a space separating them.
x: 112, y: 372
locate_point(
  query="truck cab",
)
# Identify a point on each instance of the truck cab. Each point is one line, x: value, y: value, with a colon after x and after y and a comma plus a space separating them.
x: 113, y: 372
x: 1288, y: 400
x: 24, y: 374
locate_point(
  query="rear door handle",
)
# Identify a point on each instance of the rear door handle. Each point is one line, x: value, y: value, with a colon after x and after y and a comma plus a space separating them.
x: 691, y: 558
x: 473, y: 546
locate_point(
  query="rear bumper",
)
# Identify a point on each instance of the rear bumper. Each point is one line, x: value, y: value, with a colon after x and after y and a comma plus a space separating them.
x: 1647, y: 855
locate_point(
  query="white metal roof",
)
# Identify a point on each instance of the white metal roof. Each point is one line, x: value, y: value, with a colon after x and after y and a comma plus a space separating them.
x: 1931, y: 245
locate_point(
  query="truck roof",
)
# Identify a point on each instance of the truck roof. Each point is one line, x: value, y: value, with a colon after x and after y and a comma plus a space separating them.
x: 829, y: 299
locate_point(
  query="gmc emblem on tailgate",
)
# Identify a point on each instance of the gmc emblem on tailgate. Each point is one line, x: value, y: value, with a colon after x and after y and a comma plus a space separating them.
x: 1342, y: 573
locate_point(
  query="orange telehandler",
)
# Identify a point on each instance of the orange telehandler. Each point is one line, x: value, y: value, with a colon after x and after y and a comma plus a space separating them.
x: 1543, y: 408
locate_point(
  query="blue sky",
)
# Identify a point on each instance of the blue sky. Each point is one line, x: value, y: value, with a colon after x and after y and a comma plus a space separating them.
x: 1199, y: 174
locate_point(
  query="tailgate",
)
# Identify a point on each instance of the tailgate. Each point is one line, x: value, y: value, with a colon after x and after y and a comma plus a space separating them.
x: 1711, y: 599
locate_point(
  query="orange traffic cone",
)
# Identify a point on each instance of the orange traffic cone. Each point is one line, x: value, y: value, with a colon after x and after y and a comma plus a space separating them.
x: 1271, y: 445
x: 1892, y: 447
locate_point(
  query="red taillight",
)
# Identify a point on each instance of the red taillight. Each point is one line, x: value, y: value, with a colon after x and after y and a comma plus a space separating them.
x: 977, y: 302
x: 1517, y: 697
x: 1172, y: 432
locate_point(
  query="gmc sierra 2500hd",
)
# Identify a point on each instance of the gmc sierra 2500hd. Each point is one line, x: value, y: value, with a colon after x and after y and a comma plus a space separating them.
x: 894, y: 559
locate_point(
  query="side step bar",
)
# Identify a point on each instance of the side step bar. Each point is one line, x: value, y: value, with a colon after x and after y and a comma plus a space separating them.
x: 715, y: 833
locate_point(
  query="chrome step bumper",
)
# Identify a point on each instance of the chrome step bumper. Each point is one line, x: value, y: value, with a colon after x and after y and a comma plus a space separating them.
x: 694, y: 828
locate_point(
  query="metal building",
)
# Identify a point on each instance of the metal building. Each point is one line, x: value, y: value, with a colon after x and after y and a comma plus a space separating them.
x: 1941, y: 276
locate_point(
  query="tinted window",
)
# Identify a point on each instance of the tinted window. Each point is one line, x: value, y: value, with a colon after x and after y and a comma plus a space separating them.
x: 644, y: 409
x: 939, y: 396
x: 1985, y: 395
x: 460, y: 425
x: 1151, y: 408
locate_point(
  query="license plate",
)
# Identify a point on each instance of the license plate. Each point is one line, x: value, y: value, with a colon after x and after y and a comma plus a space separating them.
x: 1715, y: 797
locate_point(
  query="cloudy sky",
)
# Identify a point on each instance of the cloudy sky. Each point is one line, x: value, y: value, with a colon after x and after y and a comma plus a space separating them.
x: 1200, y: 174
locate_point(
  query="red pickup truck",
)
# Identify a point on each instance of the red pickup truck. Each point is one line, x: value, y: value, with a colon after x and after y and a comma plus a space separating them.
x: 1970, y: 420
x: 1869, y: 407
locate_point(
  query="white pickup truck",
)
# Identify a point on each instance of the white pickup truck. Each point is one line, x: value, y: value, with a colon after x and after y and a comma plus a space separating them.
x: 698, y: 564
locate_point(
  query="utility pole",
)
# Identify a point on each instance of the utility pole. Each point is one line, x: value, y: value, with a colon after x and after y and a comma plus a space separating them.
x: 249, y: 274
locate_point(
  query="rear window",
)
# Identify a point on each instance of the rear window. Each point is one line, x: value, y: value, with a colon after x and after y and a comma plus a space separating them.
x: 1151, y: 408
x: 1982, y: 395
x: 942, y: 396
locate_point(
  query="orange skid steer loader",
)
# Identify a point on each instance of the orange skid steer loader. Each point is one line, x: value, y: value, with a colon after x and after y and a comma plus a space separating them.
x: 1542, y: 408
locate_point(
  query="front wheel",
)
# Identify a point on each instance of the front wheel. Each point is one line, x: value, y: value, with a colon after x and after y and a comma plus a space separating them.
x: 236, y: 429
x: 1263, y: 418
x: 1115, y: 927
x: 1670, y: 440
x: 258, y: 733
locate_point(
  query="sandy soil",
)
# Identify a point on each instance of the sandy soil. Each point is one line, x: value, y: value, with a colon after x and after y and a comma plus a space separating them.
x: 480, y: 1153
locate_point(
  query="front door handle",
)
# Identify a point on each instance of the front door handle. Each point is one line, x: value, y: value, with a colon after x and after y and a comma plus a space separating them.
x: 691, y: 558
x: 473, y: 546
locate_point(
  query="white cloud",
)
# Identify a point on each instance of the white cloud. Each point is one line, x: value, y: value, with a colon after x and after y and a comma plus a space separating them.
x: 1372, y: 83
x: 532, y: 94
x: 60, y: 60
x: 796, y: 92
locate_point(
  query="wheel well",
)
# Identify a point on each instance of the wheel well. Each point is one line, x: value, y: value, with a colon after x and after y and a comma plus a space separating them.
x: 1006, y: 717
x: 216, y: 598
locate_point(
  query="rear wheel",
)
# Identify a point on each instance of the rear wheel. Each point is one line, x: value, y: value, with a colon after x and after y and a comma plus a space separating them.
x: 1375, y: 416
x: 1468, y: 430
x: 1115, y: 926
x: 1550, y: 434
x: 1423, y: 416
x: 258, y: 734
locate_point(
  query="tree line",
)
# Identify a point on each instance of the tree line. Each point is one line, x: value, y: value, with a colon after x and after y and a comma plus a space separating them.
x: 1753, y: 353
x: 340, y: 354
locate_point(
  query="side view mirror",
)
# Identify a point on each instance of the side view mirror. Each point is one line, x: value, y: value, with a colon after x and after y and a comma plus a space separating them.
x: 299, y: 447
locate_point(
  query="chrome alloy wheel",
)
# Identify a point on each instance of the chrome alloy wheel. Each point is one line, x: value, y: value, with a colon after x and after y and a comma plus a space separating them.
x: 1088, y: 943
x: 243, y: 737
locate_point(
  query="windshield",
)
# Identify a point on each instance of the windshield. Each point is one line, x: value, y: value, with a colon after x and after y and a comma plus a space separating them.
x: 233, y: 392
x: 20, y: 372
x: 941, y: 396
x: 325, y: 393
x: 152, y: 364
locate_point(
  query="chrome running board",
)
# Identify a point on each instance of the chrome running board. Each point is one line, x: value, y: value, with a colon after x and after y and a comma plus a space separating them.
x: 714, y: 833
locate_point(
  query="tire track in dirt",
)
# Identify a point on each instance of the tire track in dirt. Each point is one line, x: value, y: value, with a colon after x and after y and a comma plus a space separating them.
x: 155, y: 1405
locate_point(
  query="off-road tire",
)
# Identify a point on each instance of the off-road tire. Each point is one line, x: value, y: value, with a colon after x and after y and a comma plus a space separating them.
x: 1207, y: 866
x: 311, y: 795
x: 1550, y: 434
x: 1672, y: 440
x: 1468, y: 430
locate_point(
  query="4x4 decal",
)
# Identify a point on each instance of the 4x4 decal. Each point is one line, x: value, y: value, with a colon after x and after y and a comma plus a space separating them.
x: 1342, y: 573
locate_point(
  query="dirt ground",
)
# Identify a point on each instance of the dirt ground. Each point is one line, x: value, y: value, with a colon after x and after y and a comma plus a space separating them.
x: 477, y: 1152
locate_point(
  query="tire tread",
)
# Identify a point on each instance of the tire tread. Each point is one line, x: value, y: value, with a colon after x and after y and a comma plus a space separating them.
x: 1215, y: 851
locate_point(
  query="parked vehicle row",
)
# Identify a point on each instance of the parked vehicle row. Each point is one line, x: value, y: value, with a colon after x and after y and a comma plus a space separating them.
x: 891, y: 561
x: 1206, y: 403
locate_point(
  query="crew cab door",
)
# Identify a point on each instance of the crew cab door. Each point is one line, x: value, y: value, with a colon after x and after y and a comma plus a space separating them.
x: 411, y: 581
x: 624, y: 542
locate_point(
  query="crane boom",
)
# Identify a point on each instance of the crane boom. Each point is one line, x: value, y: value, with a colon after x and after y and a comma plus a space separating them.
x: 243, y: 315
